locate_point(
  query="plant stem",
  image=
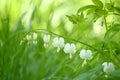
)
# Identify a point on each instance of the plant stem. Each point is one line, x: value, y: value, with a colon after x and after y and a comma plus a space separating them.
x: 105, y: 23
x: 74, y: 40
x: 109, y: 45
x: 65, y: 37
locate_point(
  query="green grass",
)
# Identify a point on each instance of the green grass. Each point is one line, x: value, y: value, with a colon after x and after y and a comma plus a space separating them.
x: 34, y: 62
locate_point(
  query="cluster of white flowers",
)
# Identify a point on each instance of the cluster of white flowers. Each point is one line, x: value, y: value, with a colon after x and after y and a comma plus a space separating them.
x: 59, y: 43
x: 69, y: 48
x: 86, y: 55
x: 108, y: 67
x: 30, y: 38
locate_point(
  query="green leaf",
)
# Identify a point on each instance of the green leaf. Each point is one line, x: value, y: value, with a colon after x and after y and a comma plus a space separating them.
x: 85, y: 8
x: 72, y: 18
x: 112, y: 31
x: 89, y: 75
x: 100, y: 12
x: 98, y: 3
x: 76, y: 18
x: 90, y: 11
x: 117, y: 9
x: 109, y: 7
x: 115, y: 73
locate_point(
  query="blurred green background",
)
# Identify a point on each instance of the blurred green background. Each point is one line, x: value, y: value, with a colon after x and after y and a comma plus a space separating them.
x: 34, y: 62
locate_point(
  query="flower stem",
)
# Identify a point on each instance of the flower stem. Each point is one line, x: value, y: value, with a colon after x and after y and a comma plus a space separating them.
x: 46, y: 31
x: 70, y: 55
x: 74, y: 40
x: 105, y: 23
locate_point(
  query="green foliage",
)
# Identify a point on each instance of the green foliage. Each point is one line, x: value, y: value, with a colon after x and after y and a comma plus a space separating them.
x: 115, y: 73
x: 85, y: 8
x: 21, y: 60
x: 92, y: 74
x: 98, y: 3
x: 112, y: 31
x: 76, y: 18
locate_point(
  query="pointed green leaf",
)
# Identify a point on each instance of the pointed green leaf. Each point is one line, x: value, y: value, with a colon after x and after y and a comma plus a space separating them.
x: 85, y: 8
x: 76, y: 18
x: 72, y: 18
x: 98, y: 3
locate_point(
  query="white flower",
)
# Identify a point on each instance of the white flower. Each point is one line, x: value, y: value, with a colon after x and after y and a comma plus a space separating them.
x: 34, y: 38
x: 86, y: 55
x: 31, y: 38
x: 70, y: 49
x: 46, y: 40
x: 58, y: 42
x: 108, y: 67
x: 28, y: 37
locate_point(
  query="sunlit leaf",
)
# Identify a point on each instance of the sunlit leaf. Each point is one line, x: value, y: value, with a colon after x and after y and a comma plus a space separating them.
x: 85, y: 8
x: 76, y: 18
x: 73, y: 18
x: 98, y: 3
x: 109, y: 7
